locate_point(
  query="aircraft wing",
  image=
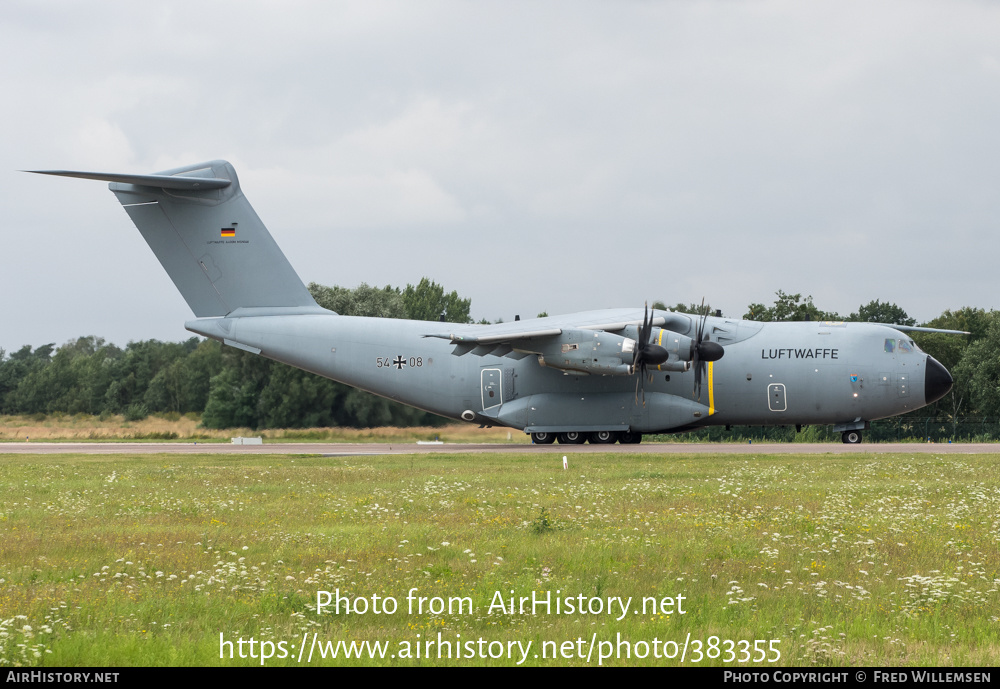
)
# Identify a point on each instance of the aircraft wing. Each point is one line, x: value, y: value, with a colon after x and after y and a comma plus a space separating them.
x: 501, y: 338
x: 921, y: 329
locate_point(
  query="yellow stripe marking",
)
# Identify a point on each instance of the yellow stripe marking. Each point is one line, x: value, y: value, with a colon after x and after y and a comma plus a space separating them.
x: 659, y: 341
x: 711, y: 388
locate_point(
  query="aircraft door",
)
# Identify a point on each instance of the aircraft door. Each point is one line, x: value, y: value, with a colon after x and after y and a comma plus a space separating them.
x: 492, y: 387
x: 776, y: 397
x: 509, y: 393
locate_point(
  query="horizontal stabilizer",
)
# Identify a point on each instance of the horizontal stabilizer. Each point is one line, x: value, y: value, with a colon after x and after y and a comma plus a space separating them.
x: 184, y: 182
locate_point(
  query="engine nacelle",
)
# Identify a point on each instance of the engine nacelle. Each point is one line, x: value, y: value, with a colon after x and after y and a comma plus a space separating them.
x: 584, y: 351
x: 680, y: 347
x: 674, y: 365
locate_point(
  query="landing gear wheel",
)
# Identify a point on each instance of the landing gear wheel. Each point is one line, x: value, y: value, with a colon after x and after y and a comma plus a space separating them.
x: 629, y: 438
x: 572, y: 438
x: 543, y: 438
x: 851, y: 437
x: 602, y: 438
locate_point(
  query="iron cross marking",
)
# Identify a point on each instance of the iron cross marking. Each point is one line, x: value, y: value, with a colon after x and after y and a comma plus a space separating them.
x: 399, y: 363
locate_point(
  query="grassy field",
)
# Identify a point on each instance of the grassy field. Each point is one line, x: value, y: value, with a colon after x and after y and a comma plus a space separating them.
x: 174, y: 427
x: 841, y: 560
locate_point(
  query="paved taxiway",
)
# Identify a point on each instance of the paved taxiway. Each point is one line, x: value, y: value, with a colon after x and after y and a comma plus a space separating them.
x: 356, y: 449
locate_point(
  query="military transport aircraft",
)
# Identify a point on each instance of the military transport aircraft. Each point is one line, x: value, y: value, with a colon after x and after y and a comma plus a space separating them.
x: 597, y: 376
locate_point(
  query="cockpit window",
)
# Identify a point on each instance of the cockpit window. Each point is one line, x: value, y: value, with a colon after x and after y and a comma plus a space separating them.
x: 890, y: 345
x: 904, y: 346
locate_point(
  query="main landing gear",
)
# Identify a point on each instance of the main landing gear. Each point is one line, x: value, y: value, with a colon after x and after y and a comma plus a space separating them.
x: 572, y: 438
x: 851, y: 437
x: 543, y: 438
x: 595, y: 438
x: 602, y: 438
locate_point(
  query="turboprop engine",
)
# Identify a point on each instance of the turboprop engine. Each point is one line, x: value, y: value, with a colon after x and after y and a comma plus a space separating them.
x: 665, y: 349
x: 609, y: 354
x: 584, y: 351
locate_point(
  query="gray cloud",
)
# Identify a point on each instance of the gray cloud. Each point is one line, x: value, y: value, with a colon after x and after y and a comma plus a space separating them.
x: 558, y: 156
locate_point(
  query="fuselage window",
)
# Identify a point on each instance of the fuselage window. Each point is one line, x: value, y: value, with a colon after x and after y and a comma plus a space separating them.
x: 904, y: 346
x: 890, y: 345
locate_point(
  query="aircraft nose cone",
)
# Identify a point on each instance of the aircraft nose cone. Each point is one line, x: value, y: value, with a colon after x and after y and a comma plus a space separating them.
x: 937, y: 381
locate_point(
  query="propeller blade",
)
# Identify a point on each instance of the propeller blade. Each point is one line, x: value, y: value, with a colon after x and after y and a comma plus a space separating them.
x: 701, y: 324
x: 701, y: 349
x: 645, y: 353
x: 647, y: 326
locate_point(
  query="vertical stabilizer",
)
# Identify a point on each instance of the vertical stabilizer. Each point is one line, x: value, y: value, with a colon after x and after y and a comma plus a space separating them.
x: 208, y: 238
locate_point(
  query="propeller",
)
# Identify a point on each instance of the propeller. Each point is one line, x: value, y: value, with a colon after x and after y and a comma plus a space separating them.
x: 704, y: 350
x: 646, y: 352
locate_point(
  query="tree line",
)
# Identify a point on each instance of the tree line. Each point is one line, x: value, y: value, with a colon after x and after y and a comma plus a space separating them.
x: 228, y: 387
x: 232, y: 388
x: 973, y: 360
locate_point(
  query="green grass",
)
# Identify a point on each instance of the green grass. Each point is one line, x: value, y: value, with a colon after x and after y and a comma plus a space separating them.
x: 845, y: 560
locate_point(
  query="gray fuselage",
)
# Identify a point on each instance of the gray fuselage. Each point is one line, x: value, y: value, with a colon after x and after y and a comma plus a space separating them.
x: 771, y: 374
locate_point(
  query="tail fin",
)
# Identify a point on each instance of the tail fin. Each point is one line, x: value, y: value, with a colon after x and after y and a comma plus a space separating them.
x: 207, y: 237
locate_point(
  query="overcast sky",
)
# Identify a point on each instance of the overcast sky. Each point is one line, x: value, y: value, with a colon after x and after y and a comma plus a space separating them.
x: 556, y: 156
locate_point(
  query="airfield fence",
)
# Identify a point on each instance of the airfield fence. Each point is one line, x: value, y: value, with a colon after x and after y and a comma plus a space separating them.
x: 935, y: 429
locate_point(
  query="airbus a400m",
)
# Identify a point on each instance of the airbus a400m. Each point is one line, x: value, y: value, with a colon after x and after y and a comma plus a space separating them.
x: 599, y: 376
